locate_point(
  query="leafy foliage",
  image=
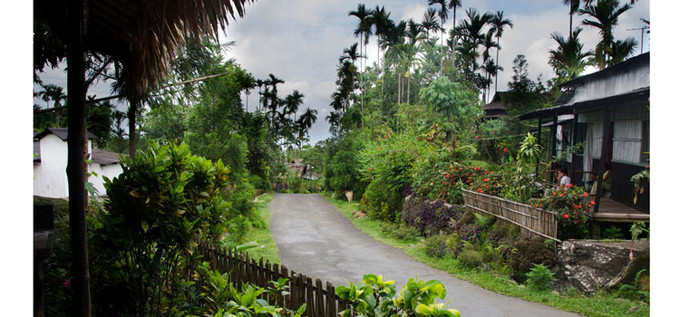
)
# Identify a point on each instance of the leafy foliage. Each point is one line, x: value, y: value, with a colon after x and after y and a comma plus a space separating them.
x: 376, y: 297
x: 539, y: 278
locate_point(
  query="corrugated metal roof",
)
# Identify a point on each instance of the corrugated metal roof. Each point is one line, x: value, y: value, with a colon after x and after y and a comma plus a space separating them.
x: 105, y: 157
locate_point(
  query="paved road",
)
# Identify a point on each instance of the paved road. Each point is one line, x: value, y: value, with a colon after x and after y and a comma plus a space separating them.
x: 315, y: 239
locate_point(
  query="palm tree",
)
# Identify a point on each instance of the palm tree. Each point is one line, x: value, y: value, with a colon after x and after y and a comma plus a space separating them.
x: 381, y: 21
x: 293, y: 102
x: 488, y: 44
x: 430, y: 22
x: 443, y: 14
x: 306, y: 121
x: 363, y: 30
x: 574, y: 5
x: 498, y: 23
x: 568, y: 59
x: 605, y: 15
x: 621, y: 49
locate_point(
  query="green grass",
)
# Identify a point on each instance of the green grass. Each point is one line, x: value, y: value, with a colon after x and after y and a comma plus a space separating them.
x: 266, y: 248
x: 598, y: 305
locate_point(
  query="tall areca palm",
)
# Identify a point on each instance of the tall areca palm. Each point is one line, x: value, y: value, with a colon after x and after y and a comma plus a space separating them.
x: 443, y: 14
x: 622, y: 49
x: 574, y: 5
x: 604, y: 16
x: 363, y: 30
x: 381, y: 21
x: 306, y: 121
x: 568, y: 59
x: 498, y: 24
x: 293, y: 102
x: 489, y: 68
x: 430, y: 22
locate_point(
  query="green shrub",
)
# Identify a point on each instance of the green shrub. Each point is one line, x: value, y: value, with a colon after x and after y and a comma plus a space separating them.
x: 539, y: 278
x: 400, y: 231
x: 613, y: 232
x: 164, y: 203
x: 638, y: 290
x: 470, y: 257
x: 526, y: 253
x: 436, y: 245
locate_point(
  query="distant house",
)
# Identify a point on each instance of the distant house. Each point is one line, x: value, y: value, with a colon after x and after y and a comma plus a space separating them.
x: 498, y: 106
x: 600, y: 123
x: 50, y: 158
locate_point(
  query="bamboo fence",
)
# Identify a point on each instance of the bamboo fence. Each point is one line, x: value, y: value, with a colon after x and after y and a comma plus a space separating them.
x: 531, y: 220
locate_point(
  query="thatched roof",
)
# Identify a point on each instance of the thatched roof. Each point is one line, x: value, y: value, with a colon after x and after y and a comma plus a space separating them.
x: 141, y: 35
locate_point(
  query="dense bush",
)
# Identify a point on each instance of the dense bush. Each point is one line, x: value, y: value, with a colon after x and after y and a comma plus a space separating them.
x: 436, y: 245
x: 164, y: 203
x: 376, y: 297
x: 341, y: 167
x: 528, y: 252
x: 400, y: 231
x: 429, y: 217
x: 470, y: 257
x: 539, y: 278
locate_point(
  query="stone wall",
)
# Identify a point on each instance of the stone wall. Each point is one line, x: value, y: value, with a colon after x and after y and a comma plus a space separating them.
x: 591, y: 265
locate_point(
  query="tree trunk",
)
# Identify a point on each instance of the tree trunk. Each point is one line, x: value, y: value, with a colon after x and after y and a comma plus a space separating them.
x: 498, y: 39
x: 408, y: 90
x: 132, y: 122
x: 76, y: 168
x: 398, y: 88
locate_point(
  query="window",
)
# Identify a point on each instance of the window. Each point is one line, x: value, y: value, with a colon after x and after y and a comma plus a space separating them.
x: 627, y: 141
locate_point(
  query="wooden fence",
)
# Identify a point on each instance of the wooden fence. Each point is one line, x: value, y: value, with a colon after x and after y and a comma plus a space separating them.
x: 319, y: 296
x: 532, y: 221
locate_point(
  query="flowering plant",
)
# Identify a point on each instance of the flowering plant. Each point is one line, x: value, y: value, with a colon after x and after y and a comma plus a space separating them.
x: 574, y: 207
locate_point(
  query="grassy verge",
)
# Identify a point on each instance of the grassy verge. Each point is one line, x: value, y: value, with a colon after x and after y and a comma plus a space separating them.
x: 266, y: 248
x: 598, y: 305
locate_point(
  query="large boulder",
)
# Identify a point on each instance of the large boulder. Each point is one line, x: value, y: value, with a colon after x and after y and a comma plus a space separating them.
x: 590, y: 265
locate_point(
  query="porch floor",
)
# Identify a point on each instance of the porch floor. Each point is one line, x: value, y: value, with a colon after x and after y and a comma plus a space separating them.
x: 614, y: 211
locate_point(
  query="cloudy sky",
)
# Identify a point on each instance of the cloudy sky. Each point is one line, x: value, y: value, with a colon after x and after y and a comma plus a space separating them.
x: 300, y: 41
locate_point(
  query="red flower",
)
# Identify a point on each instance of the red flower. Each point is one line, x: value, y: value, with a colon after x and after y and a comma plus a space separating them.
x: 566, y: 216
x: 505, y: 150
x: 477, y: 137
x: 370, y: 169
x: 579, y: 206
x: 585, y: 194
x: 592, y: 202
x: 384, y: 137
x: 554, y: 193
x: 67, y: 283
x: 561, y: 194
x: 486, y: 179
x: 479, y: 190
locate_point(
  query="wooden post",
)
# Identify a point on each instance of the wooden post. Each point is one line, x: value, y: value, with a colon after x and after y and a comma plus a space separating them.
x: 75, y: 169
x: 538, y: 159
x: 331, y: 299
x: 574, y: 122
x: 553, y: 133
x: 604, y: 150
x: 318, y: 290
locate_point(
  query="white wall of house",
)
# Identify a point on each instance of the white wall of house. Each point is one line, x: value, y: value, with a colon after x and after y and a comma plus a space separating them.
x: 49, y: 175
x: 110, y: 171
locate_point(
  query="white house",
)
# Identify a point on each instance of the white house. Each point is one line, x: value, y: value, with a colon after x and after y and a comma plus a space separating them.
x: 49, y: 164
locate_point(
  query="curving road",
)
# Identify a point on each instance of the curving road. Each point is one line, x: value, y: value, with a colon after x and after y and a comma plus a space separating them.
x: 317, y: 240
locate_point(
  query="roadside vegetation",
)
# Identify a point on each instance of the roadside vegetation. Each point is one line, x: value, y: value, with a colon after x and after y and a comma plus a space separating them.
x: 602, y: 304
x: 260, y: 236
